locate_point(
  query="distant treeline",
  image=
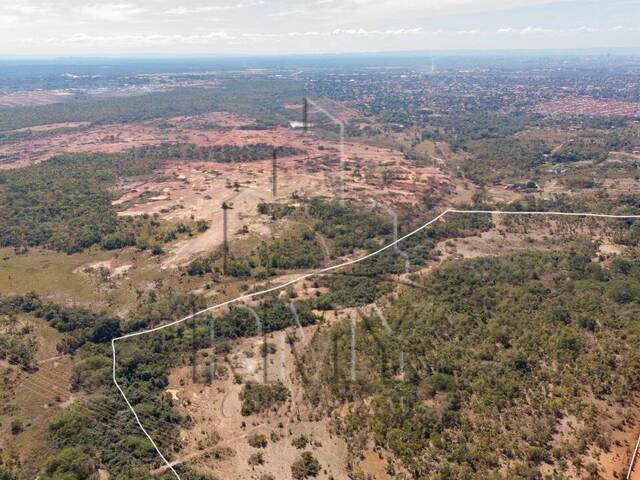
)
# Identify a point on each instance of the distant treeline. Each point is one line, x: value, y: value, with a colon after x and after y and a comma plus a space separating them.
x: 499, y: 159
x: 261, y: 99
x: 216, y: 153
x: 25, y: 135
x: 596, y: 145
x: 113, y: 110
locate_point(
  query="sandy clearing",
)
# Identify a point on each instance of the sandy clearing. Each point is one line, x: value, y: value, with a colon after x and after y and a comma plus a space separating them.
x: 216, y: 412
x: 104, y: 269
x: 196, y: 190
x: 33, y: 98
x: 375, y: 466
x: 50, y: 126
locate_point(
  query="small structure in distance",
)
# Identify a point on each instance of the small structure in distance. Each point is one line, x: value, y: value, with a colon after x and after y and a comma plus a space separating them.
x: 297, y: 124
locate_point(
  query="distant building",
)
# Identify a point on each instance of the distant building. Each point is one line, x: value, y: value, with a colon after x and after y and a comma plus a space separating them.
x: 297, y: 124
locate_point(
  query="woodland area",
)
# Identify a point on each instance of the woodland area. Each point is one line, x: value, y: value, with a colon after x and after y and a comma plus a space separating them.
x: 478, y: 336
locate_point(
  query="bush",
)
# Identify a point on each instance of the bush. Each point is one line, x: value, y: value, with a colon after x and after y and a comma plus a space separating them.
x: 268, y: 349
x: 257, y: 441
x: 256, y: 459
x: 7, y: 475
x: 300, y: 442
x: 202, y: 226
x: 305, y: 467
x: 16, y: 427
x: 106, y: 329
x: 67, y: 427
x: 118, y: 240
x: 257, y: 398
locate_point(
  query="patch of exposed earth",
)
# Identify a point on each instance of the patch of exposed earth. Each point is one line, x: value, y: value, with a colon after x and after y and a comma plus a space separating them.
x: 204, y: 130
x: 218, y: 443
x: 104, y: 269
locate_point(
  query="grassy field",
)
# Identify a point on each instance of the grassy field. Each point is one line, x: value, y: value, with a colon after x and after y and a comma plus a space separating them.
x: 50, y: 274
x: 62, y: 278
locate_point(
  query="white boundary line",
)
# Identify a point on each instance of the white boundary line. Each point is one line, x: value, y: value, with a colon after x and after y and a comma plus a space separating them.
x: 633, y: 459
x: 319, y: 272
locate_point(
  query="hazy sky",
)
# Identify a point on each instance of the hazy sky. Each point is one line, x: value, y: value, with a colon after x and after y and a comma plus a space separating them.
x: 130, y: 27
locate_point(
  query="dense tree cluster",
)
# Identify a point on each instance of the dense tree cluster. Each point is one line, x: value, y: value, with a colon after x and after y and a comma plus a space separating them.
x: 78, y: 325
x: 503, y: 158
x: 65, y: 204
x: 294, y: 251
x: 216, y: 153
x: 518, y: 341
x: 595, y: 145
x: 274, y: 315
x: 348, y: 225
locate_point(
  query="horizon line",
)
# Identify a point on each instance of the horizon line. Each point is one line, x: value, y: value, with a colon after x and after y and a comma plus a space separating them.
x: 375, y: 53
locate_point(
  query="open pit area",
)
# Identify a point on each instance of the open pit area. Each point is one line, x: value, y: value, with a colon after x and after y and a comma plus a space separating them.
x: 196, y: 190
